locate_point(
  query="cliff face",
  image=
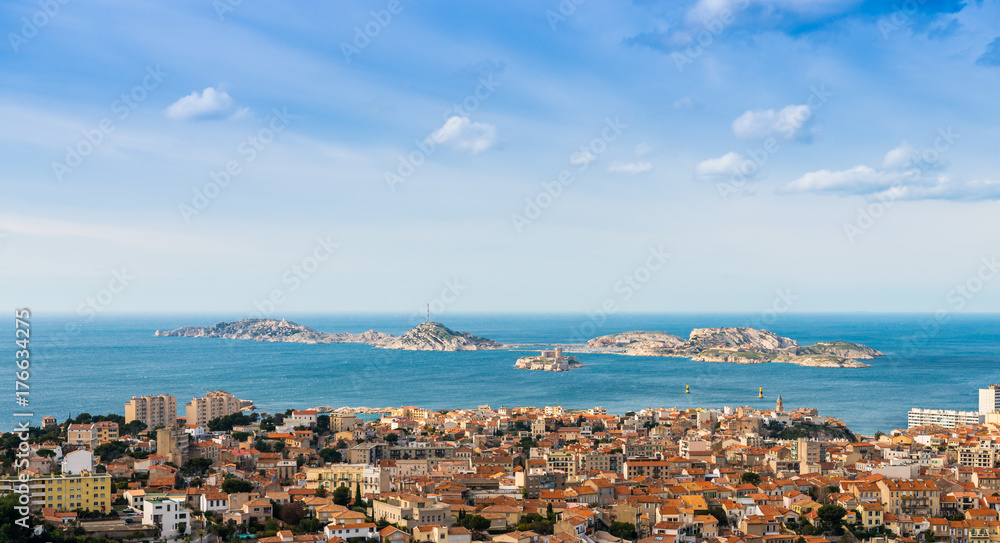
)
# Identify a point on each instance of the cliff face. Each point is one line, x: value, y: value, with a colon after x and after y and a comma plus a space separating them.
x: 434, y: 336
x: 739, y: 346
x: 429, y: 336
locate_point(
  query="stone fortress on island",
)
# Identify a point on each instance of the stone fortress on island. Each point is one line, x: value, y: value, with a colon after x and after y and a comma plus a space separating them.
x: 549, y: 360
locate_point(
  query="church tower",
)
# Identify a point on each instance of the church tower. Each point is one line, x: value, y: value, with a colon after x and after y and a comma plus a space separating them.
x: 780, y: 408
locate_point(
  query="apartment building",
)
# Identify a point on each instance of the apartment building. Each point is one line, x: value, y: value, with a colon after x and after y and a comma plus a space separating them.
x: 373, y: 480
x: 82, y: 435
x: 173, y: 442
x: 169, y: 515
x: 910, y: 497
x: 91, y: 435
x: 214, y: 404
x: 410, y: 511
x: 152, y: 411
x: 989, y: 399
x: 947, y: 418
x: 64, y: 492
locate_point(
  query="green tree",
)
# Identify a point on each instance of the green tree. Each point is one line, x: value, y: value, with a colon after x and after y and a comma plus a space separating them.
x: 12, y: 529
x: 720, y: 515
x: 358, y: 499
x: 832, y: 515
x: 342, y: 495
x: 392, y: 438
x: 232, y: 484
x: 323, y: 424
x: 292, y: 513
x: 750, y: 477
x: 550, y: 514
x: 623, y: 530
x: 195, y: 467
x: 331, y: 456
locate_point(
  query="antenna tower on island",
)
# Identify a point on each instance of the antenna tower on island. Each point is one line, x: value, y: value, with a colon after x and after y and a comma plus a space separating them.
x: 428, y: 312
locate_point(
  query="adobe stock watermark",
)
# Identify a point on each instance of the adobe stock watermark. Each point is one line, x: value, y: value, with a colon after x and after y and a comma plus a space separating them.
x: 901, y: 17
x: 704, y: 38
x: 757, y: 157
x: 372, y: 29
x: 624, y: 289
x: 451, y: 291
x: 955, y: 301
x: 551, y: 190
x: 408, y: 164
x: 295, y: 276
x: 248, y: 149
x: 122, y: 107
x: 31, y: 26
x: 782, y: 303
x: 562, y: 13
x: 919, y: 164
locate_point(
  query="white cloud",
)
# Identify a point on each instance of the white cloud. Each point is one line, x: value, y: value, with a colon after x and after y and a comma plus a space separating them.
x: 905, y: 174
x: 582, y: 158
x: 643, y: 149
x: 208, y: 103
x: 465, y: 135
x: 633, y: 168
x: 726, y: 165
x: 856, y: 180
x: 789, y: 122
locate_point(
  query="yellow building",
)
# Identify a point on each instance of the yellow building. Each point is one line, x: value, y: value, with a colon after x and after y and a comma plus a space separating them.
x: 91, y: 492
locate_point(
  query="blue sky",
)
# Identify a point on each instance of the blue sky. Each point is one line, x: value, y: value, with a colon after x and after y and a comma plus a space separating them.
x: 700, y: 155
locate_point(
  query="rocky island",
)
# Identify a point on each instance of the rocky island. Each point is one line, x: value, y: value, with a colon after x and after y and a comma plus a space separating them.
x: 552, y: 360
x: 428, y: 336
x: 733, y: 345
x: 737, y: 345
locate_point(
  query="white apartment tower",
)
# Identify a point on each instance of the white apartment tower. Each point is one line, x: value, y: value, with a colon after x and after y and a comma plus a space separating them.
x: 989, y: 399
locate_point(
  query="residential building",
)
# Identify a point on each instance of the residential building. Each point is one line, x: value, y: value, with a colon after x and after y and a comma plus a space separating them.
x: 173, y: 442
x: 410, y: 511
x: 947, y: 418
x: 152, y: 411
x: 989, y: 399
x: 167, y: 514
x: 65, y: 492
x: 373, y: 480
x: 214, y: 404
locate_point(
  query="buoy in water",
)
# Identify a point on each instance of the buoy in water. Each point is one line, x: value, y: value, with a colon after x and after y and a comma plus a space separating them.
x: 687, y: 389
x: 761, y: 395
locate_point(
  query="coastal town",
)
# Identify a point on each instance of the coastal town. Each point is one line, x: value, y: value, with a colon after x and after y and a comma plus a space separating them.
x: 216, y: 469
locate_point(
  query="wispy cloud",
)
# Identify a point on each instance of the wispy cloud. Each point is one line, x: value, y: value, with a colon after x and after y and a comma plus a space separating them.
x: 789, y: 122
x: 210, y: 103
x: 723, y: 167
x: 901, y: 176
x: 630, y: 168
x: 463, y: 134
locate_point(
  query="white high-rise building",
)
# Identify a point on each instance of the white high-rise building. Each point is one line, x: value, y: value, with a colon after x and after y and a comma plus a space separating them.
x: 947, y: 418
x: 989, y: 399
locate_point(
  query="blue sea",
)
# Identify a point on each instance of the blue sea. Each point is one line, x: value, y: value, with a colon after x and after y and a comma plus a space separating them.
x: 95, y: 366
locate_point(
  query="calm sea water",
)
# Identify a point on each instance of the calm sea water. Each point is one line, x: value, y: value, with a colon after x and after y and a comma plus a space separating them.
x: 96, y: 366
